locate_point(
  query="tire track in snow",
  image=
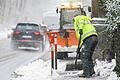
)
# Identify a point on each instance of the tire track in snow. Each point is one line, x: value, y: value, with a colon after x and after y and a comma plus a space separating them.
x: 7, y: 57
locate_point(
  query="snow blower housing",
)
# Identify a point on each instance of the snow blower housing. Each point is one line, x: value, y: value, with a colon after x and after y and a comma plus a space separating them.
x: 63, y: 41
x: 66, y: 39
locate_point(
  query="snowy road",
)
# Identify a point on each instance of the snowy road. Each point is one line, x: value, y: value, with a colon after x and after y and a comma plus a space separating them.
x: 11, y: 59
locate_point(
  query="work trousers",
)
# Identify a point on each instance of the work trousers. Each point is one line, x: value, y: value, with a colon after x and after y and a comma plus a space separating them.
x: 87, y: 50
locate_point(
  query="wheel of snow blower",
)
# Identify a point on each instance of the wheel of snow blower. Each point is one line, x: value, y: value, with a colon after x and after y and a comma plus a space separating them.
x: 62, y: 55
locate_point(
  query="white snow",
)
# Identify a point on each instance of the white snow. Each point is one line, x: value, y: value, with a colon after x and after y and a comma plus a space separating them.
x: 3, y: 34
x: 113, y: 76
x: 41, y: 70
x: 104, y: 68
x: 35, y: 71
x: 4, y: 31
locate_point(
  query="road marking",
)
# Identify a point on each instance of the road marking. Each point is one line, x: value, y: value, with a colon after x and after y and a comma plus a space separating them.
x: 7, y: 57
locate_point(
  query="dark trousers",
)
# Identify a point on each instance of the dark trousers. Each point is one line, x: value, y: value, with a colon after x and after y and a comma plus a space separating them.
x: 88, y: 48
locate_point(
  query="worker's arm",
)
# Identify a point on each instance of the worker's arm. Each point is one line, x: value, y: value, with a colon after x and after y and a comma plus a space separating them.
x: 77, y: 27
x: 80, y: 28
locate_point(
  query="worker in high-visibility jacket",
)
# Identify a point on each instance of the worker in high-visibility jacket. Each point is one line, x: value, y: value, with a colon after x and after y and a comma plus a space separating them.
x: 89, y: 40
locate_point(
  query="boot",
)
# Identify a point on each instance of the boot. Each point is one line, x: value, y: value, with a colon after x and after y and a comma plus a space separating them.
x: 92, y: 73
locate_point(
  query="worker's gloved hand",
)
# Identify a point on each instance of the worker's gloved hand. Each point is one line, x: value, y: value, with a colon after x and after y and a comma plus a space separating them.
x: 80, y: 31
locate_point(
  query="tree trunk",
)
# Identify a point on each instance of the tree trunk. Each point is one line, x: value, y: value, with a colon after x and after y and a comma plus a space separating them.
x: 94, y: 8
x: 97, y: 11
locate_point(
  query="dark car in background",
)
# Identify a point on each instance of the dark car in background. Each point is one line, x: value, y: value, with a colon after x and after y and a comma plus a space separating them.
x: 27, y: 35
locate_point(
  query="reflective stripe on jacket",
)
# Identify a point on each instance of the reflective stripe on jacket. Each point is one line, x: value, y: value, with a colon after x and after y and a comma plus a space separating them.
x: 83, y: 22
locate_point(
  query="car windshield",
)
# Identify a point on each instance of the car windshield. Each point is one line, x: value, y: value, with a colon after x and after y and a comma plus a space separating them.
x: 27, y: 27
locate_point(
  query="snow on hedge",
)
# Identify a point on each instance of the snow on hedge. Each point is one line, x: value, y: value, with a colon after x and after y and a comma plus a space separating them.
x: 113, y: 13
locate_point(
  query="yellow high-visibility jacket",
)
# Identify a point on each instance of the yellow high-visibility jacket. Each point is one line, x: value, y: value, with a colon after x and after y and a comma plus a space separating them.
x: 84, y: 23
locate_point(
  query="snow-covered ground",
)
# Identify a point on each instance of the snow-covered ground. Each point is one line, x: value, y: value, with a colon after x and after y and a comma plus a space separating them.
x: 41, y: 70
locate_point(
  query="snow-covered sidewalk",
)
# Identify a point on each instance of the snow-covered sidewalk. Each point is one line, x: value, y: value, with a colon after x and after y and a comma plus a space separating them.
x: 41, y: 70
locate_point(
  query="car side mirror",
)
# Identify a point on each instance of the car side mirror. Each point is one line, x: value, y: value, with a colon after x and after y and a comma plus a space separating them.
x: 89, y: 9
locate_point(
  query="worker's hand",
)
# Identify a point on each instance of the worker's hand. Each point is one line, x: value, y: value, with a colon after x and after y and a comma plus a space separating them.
x: 80, y: 31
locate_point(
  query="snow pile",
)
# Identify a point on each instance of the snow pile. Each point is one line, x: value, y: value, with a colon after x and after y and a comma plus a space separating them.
x: 113, y: 76
x: 34, y: 71
x: 40, y: 69
x: 105, y: 69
